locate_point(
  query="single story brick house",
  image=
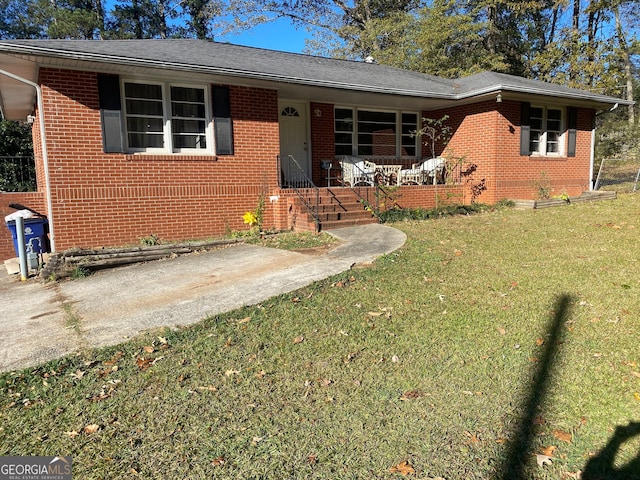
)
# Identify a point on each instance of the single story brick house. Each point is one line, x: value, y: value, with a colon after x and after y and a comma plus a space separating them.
x: 180, y: 138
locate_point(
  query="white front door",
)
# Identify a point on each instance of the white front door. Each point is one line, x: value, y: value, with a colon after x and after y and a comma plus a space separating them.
x: 293, y: 138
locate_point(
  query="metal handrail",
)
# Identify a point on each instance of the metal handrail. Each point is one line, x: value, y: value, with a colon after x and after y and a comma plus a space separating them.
x: 293, y: 176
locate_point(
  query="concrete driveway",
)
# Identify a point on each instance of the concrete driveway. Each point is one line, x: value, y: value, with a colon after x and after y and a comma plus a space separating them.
x: 40, y: 322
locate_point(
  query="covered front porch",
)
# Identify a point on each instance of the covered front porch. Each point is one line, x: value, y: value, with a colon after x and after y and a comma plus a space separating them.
x: 353, y: 190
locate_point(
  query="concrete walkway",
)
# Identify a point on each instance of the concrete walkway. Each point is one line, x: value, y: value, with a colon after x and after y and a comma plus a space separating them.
x: 40, y: 322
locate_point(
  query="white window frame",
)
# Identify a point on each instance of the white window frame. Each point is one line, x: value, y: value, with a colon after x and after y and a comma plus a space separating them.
x: 543, y: 144
x: 398, y: 130
x: 167, y: 118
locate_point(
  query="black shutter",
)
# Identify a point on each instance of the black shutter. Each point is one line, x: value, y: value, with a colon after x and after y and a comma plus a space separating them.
x: 110, y: 113
x: 525, y: 128
x: 572, y: 130
x: 222, y: 122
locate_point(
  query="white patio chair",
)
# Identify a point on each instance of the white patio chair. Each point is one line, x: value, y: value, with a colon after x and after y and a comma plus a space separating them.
x: 428, y: 171
x: 356, y: 171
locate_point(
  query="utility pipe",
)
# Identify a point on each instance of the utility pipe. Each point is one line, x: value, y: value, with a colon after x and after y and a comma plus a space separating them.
x: 45, y: 155
x: 22, y: 249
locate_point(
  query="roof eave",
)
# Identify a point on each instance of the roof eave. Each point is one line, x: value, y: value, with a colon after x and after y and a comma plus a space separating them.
x: 595, y: 100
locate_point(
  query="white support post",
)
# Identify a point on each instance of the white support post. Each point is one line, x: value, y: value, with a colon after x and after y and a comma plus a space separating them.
x: 22, y: 249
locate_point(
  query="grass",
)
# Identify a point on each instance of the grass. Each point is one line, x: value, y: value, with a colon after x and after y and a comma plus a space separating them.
x: 428, y: 357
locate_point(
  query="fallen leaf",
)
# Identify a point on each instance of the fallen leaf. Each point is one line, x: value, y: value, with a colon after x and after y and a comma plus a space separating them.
x: 117, y: 356
x: 71, y: 434
x: 502, y: 331
x: 148, y: 349
x: 89, y: 429
x: 473, y: 439
x: 228, y: 373
x: 163, y: 340
x: 77, y: 375
x: 210, y: 388
x: 245, y: 320
x: 256, y: 440
x: 549, y: 450
x: 457, y: 252
x: 374, y: 314
x: 298, y: 339
x: 501, y: 441
x: 312, y: 459
x: 539, y: 341
x: 543, y: 460
x: 562, y: 435
x: 325, y: 382
x: 261, y: 374
x: 411, y: 394
x: 217, y: 462
x: 636, y: 374
x: 144, y: 363
x: 636, y: 396
x: 404, y: 468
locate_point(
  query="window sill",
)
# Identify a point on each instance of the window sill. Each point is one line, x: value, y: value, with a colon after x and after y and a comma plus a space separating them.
x: 163, y: 157
x: 540, y: 156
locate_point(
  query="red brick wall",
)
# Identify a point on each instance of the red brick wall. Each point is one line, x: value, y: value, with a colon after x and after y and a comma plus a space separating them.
x: 113, y: 199
x: 488, y: 135
x: 322, y: 138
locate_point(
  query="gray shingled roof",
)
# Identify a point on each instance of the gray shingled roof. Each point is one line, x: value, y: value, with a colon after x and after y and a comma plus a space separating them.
x: 248, y: 62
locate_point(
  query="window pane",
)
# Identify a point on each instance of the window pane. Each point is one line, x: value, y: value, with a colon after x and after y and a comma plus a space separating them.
x: 142, y: 140
x: 189, y: 141
x: 144, y: 107
x: 182, y: 94
x: 344, y: 149
x: 553, y: 114
x: 343, y: 126
x: 188, y: 126
x: 376, y: 133
x: 553, y: 142
x: 187, y: 110
x: 365, y: 150
x: 188, y: 118
x: 409, y: 139
x: 144, y: 115
x: 344, y: 138
x: 141, y: 90
x: 534, y: 142
x: 141, y: 124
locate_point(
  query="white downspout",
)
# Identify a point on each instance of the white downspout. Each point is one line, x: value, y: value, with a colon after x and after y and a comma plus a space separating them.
x: 593, y: 156
x: 45, y: 156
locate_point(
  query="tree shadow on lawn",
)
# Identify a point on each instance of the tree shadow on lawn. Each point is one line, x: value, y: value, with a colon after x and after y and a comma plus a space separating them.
x: 601, y: 466
x: 522, y: 444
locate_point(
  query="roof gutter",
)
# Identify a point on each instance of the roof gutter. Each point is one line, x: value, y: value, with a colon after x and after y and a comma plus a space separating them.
x: 45, y: 155
x: 588, y: 96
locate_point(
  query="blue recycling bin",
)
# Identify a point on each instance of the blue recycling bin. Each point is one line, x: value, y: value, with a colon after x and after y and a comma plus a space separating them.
x: 35, y: 236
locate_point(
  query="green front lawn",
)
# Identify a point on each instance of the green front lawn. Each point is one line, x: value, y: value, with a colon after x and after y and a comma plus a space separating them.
x: 451, y: 358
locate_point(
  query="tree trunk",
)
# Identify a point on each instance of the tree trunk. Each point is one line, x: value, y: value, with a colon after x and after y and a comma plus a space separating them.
x: 626, y: 59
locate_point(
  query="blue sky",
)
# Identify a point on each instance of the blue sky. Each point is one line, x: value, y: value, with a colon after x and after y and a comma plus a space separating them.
x: 276, y: 35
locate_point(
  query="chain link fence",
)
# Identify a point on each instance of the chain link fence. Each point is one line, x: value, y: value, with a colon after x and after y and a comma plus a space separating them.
x: 619, y: 174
